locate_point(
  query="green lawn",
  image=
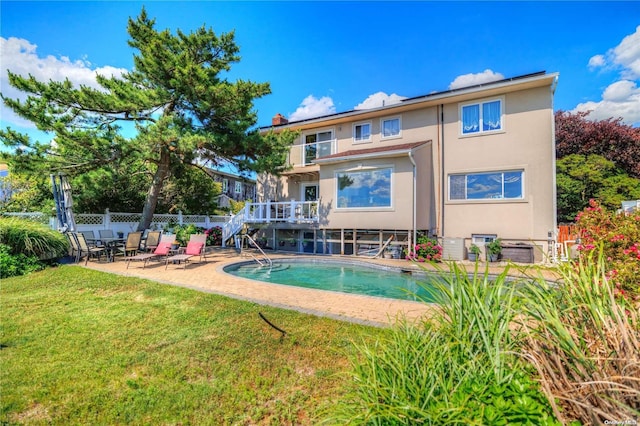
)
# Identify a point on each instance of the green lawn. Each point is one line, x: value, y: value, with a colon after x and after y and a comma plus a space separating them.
x: 84, y: 347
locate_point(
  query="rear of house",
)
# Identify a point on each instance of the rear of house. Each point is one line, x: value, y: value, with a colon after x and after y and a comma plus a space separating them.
x: 465, y: 165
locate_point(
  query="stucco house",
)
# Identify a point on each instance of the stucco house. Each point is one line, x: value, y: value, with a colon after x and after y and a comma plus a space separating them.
x: 466, y: 166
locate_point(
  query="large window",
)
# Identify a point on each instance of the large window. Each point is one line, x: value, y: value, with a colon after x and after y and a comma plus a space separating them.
x: 481, y: 117
x: 361, y: 132
x: 483, y: 186
x: 364, y: 188
x: 390, y: 127
x: 238, y: 188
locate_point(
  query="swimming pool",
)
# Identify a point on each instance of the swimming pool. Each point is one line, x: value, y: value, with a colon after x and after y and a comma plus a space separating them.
x: 336, y: 275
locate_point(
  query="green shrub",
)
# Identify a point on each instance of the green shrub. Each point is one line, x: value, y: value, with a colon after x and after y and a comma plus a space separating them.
x: 460, y: 366
x: 32, y: 239
x: 12, y: 265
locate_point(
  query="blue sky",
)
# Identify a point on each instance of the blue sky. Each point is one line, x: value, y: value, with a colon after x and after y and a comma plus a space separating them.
x: 326, y: 57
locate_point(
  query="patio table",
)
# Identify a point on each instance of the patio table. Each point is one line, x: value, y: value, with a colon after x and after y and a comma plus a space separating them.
x: 110, y: 244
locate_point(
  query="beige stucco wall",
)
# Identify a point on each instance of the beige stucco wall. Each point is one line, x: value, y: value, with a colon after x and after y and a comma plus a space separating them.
x: 398, y: 216
x: 527, y: 144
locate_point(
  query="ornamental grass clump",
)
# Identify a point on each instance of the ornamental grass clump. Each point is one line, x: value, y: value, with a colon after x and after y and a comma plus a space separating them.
x: 585, y: 344
x: 459, y: 366
x: 25, y: 246
x: 32, y: 239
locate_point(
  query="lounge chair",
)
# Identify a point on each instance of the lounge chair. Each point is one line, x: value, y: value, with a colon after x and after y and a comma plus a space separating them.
x: 84, y: 249
x: 161, y: 251
x: 152, y: 241
x: 195, y: 247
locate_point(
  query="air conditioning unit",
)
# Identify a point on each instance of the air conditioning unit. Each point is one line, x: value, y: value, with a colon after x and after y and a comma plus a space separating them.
x: 453, y: 249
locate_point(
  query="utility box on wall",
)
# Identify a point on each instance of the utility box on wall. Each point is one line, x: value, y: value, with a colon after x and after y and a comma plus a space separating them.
x: 453, y: 249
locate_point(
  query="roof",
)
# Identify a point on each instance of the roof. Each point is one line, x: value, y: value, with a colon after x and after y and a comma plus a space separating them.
x: 536, y: 79
x: 212, y: 172
x: 385, y: 151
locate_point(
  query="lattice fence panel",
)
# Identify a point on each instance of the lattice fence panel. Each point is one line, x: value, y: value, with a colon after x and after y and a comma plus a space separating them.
x: 35, y: 217
x: 125, y: 217
x: 89, y: 219
x: 195, y: 219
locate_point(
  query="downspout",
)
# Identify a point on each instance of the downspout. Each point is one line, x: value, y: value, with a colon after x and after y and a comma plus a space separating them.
x: 442, y: 174
x: 554, y: 231
x: 414, y: 219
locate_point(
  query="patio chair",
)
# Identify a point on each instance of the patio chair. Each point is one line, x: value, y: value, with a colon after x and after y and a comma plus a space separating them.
x: 73, y: 244
x: 161, y: 251
x: 152, y: 241
x: 84, y: 249
x: 195, y: 247
x: 91, y: 239
x: 106, y: 233
x: 130, y: 247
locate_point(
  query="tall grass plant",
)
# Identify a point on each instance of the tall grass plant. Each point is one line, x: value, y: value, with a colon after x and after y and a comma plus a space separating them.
x: 460, y: 366
x: 585, y: 344
x: 32, y: 239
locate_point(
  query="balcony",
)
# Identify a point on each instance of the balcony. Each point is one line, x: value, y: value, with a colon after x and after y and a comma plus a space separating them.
x: 284, y: 211
x: 271, y: 212
x: 305, y: 155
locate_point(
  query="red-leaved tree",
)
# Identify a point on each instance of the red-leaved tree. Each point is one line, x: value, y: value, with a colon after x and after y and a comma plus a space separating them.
x: 610, y: 138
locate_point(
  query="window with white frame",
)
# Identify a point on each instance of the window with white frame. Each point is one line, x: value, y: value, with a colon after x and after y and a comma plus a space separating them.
x: 317, y: 145
x: 238, y: 188
x: 500, y: 185
x: 361, y: 132
x: 390, y: 127
x: 370, y: 188
x: 481, y: 117
x: 225, y: 185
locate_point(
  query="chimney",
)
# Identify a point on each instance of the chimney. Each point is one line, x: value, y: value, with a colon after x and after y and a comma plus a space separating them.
x: 279, y: 120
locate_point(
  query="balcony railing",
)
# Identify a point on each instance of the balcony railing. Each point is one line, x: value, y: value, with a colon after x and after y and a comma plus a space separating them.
x: 284, y: 211
x: 304, y: 155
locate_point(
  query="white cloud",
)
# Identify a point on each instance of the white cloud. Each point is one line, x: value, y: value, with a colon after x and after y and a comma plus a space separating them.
x: 622, y: 97
x: 597, y: 61
x: 313, y: 107
x: 627, y: 55
x: 467, y: 80
x: 378, y: 100
x: 20, y: 56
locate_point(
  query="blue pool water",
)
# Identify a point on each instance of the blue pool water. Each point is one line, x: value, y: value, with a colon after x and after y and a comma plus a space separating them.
x: 334, y: 275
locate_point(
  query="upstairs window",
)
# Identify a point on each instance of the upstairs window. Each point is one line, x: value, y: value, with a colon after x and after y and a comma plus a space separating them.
x: 491, y: 185
x: 317, y: 145
x: 390, y: 127
x: 225, y: 185
x: 361, y: 132
x: 238, y: 187
x: 481, y: 117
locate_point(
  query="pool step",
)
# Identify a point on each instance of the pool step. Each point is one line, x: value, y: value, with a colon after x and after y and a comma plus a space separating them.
x: 257, y: 270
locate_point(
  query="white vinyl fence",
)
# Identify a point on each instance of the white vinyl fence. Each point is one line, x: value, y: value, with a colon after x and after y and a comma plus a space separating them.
x: 126, y: 222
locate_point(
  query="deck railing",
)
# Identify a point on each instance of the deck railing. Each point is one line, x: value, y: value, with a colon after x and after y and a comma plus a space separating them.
x: 271, y: 212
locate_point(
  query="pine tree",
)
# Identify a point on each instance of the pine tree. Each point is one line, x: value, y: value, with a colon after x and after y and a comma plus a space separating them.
x: 184, y: 111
